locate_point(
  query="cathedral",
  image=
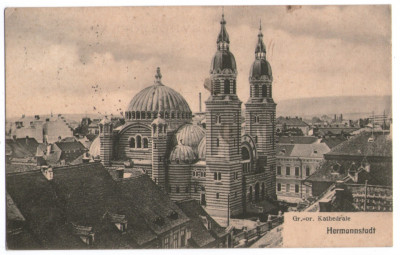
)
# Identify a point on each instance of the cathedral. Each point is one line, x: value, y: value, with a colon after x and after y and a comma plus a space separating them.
x: 222, y: 168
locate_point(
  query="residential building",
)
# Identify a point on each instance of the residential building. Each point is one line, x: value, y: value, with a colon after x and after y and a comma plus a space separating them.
x: 295, y: 163
x: 362, y: 163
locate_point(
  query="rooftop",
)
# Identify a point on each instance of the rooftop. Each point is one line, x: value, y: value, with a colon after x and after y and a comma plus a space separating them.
x: 84, y: 195
x: 365, y: 144
x: 296, y: 140
x: 201, y: 236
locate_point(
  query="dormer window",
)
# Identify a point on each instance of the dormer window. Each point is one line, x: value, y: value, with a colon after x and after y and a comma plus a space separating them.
x: 120, y: 221
x: 173, y: 215
x: 85, y: 233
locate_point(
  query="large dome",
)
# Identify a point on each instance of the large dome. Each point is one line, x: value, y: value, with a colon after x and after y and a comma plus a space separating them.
x: 190, y: 135
x: 260, y: 68
x: 158, y: 97
x: 223, y: 60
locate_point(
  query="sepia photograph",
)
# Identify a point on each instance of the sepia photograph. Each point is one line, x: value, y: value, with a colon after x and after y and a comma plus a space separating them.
x: 180, y: 127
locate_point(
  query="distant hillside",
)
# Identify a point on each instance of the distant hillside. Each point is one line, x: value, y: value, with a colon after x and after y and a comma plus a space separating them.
x: 352, y: 107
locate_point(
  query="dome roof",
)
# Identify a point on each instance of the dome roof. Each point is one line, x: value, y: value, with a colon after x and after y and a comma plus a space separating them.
x: 261, y: 67
x: 202, y: 149
x: 183, y: 153
x: 223, y: 60
x: 158, y: 97
x: 190, y: 135
x: 94, y: 149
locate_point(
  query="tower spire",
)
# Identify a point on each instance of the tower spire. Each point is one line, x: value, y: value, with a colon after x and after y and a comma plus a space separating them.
x: 260, y: 47
x: 223, y: 37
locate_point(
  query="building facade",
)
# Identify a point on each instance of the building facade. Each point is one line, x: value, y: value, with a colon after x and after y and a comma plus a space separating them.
x: 295, y: 163
x: 219, y: 166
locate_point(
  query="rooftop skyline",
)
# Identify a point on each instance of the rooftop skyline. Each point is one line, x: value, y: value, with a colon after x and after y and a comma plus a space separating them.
x: 77, y: 60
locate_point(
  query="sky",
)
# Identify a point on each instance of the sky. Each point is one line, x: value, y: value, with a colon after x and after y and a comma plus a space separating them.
x: 94, y: 60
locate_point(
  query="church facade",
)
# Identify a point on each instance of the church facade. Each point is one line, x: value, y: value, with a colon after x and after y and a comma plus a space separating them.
x: 219, y: 166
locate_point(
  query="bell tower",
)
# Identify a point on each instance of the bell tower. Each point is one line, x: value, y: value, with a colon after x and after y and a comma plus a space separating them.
x: 261, y: 112
x: 223, y: 110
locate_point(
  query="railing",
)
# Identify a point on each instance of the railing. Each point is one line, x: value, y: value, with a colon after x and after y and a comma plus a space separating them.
x: 242, y: 239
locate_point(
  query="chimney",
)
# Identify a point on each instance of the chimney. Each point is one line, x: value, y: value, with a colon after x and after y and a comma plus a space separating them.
x: 120, y: 173
x: 199, y: 101
x: 23, y: 115
x: 85, y: 158
x: 47, y: 172
x: 334, y: 118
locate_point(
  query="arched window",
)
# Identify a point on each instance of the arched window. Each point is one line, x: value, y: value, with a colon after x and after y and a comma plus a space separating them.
x: 172, y: 115
x: 126, y: 115
x: 154, y: 128
x: 256, y: 91
x: 227, y: 87
x: 218, y: 119
x: 216, y: 89
x: 256, y: 139
x: 137, y: 115
x: 138, y: 141
x: 264, y: 90
x: 129, y: 115
x: 234, y: 86
x: 133, y: 115
x: 131, y: 142
x: 143, y: 115
x: 149, y: 115
x: 217, y: 142
x: 145, y: 143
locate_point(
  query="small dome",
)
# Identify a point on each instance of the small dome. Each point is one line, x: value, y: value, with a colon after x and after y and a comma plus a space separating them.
x: 223, y: 60
x: 260, y: 67
x: 190, y: 135
x: 182, y: 153
x: 94, y: 149
x: 202, y: 149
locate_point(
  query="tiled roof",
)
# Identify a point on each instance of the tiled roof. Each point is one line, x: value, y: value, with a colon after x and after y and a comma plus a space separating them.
x: 284, y: 150
x: 291, y: 122
x: 20, y: 168
x: 22, y: 147
x: 201, y: 236
x: 333, y: 141
x: 36, y: 199
x: 70, y: 146
x: 315, y: 150
x: 152, y: 203
x: 335, y: 131
x: 365, y: 144
x: 333, y: 170
x: 84, y: 195
x: 296, y: 139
